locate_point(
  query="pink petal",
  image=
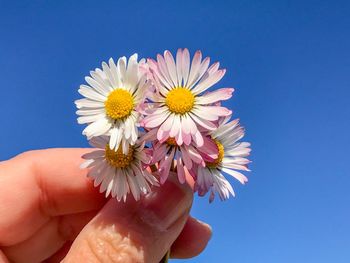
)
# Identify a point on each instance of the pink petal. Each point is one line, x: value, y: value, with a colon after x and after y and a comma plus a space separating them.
x: 216, y: 110
x: 215, y: 96
x: 162, y: 136
x: 213, y: 68
x: 158, y: 78
x: 164, y: 70
x: 209, y: 147
x: 186, y: 138
x: 196, y: 62
x: 175, y: 128
x: 198, y: 139
x: 195, y: 156
x: 192, y: 125
x: 204, y: 123
x: 206, y: 114
x: 165, y: 167
x: 212, y: 79
x: 186, y: 158
x: 181, y: 172
x: 152, y: 121
x: 170, y: 62
x: 185, y: 65
x: 201, y: 71
x: 179, y: 66
x: 159, y: 153
x: 168, y: 123
x: 178, y: 137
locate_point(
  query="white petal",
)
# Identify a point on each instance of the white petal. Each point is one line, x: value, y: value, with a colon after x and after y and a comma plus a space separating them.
x: 87, y: 164
x: 86, y: 103
x: 94, y: 155
x: 132, y: 73
x: 102, y: 88
x: 121, y: 66
x: 88, y: 111
x: 134, y: 187
x: 115, y: 138
x: 99, y: 142
x: 110, y: 79
x: 91, y: 118
x: 97, y: 128
x: 91, y: 94
x: 240, y: 177
x: 115, y: 73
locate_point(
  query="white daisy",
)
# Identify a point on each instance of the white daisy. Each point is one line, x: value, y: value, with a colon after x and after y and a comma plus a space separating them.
x: 231, y: 157
x: 119, y: 173
x: 112, y: 97
x: 178, y: 104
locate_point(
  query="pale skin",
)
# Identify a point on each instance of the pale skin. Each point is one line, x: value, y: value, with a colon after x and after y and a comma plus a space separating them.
x: 51, y: 212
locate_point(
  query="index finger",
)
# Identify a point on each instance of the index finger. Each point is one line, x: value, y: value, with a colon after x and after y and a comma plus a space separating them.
x: 38, y: 185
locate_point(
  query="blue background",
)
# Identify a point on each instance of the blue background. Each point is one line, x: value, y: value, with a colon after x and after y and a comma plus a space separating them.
x: 290, y: 64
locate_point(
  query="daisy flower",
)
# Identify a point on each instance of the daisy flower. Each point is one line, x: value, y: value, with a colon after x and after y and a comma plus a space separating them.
x: 167, y: 152
x: 117, y: 173
x: 231, y: 157
x: 177, y: 105
x: 111, y: 100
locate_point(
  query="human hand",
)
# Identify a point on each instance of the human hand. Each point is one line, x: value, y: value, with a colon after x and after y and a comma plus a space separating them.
x: 50, y: 211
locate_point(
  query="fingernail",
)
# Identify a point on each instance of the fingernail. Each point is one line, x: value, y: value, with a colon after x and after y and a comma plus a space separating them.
x: 168, y: 203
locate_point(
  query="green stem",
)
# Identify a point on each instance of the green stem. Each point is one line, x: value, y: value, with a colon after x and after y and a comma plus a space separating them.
x: 165, y: 259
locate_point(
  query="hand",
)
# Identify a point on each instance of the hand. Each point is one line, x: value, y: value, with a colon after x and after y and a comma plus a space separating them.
x: 50, y: 210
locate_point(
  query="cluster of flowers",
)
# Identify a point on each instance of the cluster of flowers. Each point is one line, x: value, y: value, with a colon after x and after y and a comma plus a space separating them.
x: 150, y: 117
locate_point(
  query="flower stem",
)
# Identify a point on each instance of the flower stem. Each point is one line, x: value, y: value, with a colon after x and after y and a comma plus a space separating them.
x: 165, y: 259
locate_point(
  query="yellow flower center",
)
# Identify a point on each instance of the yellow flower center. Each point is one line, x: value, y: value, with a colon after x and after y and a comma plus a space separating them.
x: 119, y: 104
x: 171, y: 141
x: 218, y: 160
x: 117, y: 158
x: 180, y: 100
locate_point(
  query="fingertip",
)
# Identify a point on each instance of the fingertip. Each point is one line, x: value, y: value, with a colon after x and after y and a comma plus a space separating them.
x: 192, y: 240
x: 3, y: 258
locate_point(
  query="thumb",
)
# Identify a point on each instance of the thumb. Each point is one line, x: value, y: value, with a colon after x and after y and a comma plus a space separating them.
x: 140, y: 231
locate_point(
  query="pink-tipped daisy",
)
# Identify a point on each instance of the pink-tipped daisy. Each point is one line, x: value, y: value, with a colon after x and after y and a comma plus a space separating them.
x: 117, y: 173
x: 167, y: 153
x: 231, y: 157
x: 178, y: 104
x: 112, y: 97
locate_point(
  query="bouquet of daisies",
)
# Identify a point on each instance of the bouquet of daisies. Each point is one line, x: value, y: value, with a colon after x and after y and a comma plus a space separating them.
x: 150, y: 117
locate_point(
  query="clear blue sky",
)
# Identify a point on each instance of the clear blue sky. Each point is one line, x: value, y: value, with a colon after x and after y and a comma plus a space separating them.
x: 290, y: 64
